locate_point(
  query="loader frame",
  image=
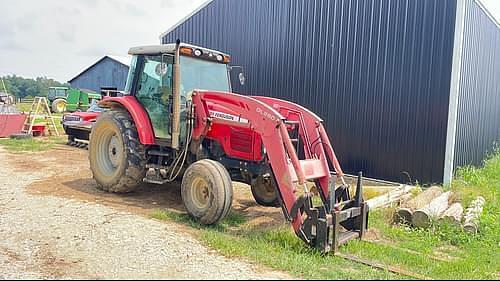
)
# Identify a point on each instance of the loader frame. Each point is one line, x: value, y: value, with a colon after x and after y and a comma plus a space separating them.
x: 318, y: 226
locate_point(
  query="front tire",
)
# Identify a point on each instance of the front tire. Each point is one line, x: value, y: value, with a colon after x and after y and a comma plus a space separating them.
x: 59, y: 106
x: 117, y: 158
x: 207, y: 191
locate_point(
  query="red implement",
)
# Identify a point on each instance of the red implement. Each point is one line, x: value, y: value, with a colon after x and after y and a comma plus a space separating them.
x: 11, y: 124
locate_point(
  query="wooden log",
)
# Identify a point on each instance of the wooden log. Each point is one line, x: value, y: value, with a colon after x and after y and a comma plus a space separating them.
x: 390, y: 197
x: 405, y: 198
x: 453, y: 215
x: 405, y: 212
x: 473, y: 214
x: 424, y: 217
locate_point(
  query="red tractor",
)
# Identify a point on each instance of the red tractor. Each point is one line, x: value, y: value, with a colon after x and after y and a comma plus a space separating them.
x: 165, y: 128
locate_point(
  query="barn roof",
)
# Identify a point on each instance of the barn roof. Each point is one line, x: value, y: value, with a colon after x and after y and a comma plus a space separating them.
x: 124, y: 60
x: 186, y: 18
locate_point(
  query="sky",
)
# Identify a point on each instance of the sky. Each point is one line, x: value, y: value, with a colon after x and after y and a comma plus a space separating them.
x: 59, y: 39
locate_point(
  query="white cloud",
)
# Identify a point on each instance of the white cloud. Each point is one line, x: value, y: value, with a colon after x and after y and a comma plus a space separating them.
x: 58, y: 38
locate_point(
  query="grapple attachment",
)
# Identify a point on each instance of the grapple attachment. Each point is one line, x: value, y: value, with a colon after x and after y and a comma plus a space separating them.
x: 327, y: 227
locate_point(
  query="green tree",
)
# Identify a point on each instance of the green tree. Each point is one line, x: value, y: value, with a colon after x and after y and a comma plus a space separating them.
x: 22, y: 87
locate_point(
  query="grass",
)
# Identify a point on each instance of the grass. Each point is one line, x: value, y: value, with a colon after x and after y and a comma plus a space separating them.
x: 23, y: 107
x: 31, y: 145
x: 443, y: 251
x: 277, y: 248
x: 446, y: 251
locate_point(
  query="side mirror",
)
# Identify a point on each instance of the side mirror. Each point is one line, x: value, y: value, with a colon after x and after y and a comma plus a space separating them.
x: 242, y: 78
x: 241, y: 75
x: 161, y: 69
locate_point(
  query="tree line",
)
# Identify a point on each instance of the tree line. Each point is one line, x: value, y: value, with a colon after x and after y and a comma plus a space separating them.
x: 28, y: 87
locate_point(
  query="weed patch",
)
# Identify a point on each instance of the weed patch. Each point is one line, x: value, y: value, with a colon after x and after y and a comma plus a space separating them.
x: 31, y: 145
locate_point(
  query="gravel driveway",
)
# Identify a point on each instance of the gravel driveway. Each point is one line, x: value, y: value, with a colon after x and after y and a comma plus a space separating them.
x: 52, y: 237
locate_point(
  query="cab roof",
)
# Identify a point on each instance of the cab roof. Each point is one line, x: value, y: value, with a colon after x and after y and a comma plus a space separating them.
x: 167, y: 48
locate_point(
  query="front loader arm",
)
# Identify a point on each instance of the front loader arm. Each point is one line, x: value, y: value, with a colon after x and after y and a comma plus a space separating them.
x: 268, y: 123
x: 319, y: 226
x: 315, y: 135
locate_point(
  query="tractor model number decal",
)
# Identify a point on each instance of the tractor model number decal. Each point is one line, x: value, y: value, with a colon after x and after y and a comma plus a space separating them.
x: 226, y: 116
x: 266, y: 114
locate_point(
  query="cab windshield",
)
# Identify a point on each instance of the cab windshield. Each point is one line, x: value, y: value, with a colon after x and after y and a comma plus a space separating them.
x: 56, y: 93
x: 151, y: 79
x: 197, y: 74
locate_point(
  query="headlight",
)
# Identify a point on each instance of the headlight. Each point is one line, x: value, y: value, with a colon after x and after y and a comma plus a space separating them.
x: 198, y: 52
x: 220, y: 58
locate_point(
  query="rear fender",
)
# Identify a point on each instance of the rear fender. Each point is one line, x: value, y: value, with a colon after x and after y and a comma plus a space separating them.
x: 139, y: 115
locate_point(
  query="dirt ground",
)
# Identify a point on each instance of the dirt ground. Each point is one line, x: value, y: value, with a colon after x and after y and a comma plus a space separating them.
x: 56, y: 224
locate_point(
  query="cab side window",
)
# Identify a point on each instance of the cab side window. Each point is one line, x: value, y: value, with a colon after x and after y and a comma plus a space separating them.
x: 154, y: 91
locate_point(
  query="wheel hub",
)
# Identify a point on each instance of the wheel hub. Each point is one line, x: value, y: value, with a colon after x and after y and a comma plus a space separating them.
x: 114, y: 151
x: 201, y: 193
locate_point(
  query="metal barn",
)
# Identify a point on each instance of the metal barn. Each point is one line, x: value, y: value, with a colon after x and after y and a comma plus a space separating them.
x: 408, y: 89
x: 108, y: 73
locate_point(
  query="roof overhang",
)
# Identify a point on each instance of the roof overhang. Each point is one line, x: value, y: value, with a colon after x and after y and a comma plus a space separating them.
x: 186, y: 18
x: 168, y: 49
x: 152, y: 50
x: 488, y: 12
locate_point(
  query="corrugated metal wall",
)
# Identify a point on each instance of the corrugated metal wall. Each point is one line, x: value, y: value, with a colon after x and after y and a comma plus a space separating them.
x: 478, y: 122
x: 107, y: 73
x: 378, y: 72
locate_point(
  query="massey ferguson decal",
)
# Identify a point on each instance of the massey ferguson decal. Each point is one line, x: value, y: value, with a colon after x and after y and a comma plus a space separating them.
x: 226, y: 116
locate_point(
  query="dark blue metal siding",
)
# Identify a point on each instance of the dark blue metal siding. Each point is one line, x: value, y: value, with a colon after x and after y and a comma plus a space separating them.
x: 478, y: 123
x: 378, y: 72
x: 107, y: 73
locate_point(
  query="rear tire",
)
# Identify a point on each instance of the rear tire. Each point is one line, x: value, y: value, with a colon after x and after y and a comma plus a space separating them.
x: 207, y: 191
x: 264, y: 192
x: 117, y: 158
x: 59, y: 106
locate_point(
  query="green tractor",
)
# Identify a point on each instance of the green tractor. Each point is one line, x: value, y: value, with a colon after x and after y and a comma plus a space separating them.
x: 63, y: 99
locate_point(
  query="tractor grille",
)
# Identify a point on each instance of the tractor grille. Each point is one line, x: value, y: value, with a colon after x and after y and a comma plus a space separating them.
x: 241, y: 141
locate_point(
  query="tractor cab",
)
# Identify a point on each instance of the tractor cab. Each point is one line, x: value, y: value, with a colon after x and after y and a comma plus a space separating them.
x: 57, y: 92
x: 163, y: 77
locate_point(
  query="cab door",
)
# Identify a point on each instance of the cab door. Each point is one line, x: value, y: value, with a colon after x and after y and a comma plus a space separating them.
x: 154, y: 92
